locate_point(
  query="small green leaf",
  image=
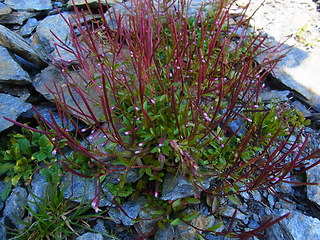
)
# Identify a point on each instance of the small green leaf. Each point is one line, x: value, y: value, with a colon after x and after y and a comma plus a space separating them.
x: 40, y: 156
x: 161, y: 225
x: 215, y: 227
x: 191, y: 216
x: 234, y: 200
x: 154, y: 150
x: 15, y: 180
x: 25, y: 146
x: 199, y: 236
x: 192, y: 200
x: 14, y: 152
x: 44, y: 141
x: 5, y: 167
x: 175, y: 222
x: 177, y: 204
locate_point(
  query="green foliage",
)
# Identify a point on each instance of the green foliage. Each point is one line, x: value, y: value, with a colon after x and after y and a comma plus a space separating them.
x: 22, y: 155
x: 55, y: 217
x: 169, y: 94
x: 267, y: 121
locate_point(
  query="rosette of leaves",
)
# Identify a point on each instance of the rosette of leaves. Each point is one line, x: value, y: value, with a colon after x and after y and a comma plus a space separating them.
x: 159, y: 90
x: 21, y: 154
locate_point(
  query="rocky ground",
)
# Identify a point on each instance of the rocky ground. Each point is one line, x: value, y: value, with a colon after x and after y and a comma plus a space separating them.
x: 25, y: 41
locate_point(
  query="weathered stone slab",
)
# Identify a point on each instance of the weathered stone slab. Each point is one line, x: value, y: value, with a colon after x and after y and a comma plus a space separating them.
x: 10, y: 70
x: 30, y: 5
x: 4, y: 10
x: 16, y: 44
x: 82, y: 3
x: 51, y: 75
x: 43, y: 39
x: 18, y: 17
x: 28, y: 27
x: 11, y: 107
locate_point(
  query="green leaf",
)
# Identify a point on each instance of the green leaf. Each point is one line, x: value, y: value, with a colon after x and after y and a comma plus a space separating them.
x: 15, y: 180
x: 161, y: 225
x: 234, y: 200
x: 192, y: 200
x: 40, y: 156
x: 44, y: 141
x: 25, y: 146
x: 177, y: 204
x: 191, y: 216
x: 154, y: 150
x: 5, y: 167
x: 199, y: 236
x: 5, y: 193
x: 14, y: 152
x: 123, y: 160
x: 215, y: 227
x: 175, y: 222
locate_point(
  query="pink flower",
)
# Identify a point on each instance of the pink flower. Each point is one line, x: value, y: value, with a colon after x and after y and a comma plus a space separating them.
x: 54, y: 152
x: 95, y: 206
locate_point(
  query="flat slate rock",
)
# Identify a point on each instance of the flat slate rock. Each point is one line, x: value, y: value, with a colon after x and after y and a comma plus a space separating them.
x: 43, y: 39
x: 297, y: 26
x: 11, y: 107
x: 10, y: 70
x: 4, y: 10
x: 29, y: 5
x: 92, y: 3
x: 16, y: 17
x: 16, y: 44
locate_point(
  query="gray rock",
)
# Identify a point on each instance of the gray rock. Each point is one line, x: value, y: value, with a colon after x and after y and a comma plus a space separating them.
x: 284, y: 187
x: 298, y: 105
x: 30, y: 5
x: 100, y: 227
x: 146, y: 224
x: 4, y: 9
x: 10, y: 70
x: 11, y: 107
x: 132, y: 176
x: 238, y: 123
x: 92, y: 3
x: 16, y: 44
x: 175, y: 187
x: 21, y: 92
x: 165, y: 234
x: 298, y: 72
x: 39, y: 187
x: 256, y: 196
x: 43, y: 39
x: 300, y: 226
x: 245, y: 195
x: 271, y: 200
x: 44, y: 81
x: 28, y: 27
x: 114, y: 213
x: 184, y: 231
x: 132, y: 209
x: 229, y: 211
x: 313, y: 191
x: 45, y: 109
x: 273, y: 95
x: 76, y: 188
x: 16, y: 17
x: 14, y: 209
x: 3, y: 232
x: 90, y: 236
